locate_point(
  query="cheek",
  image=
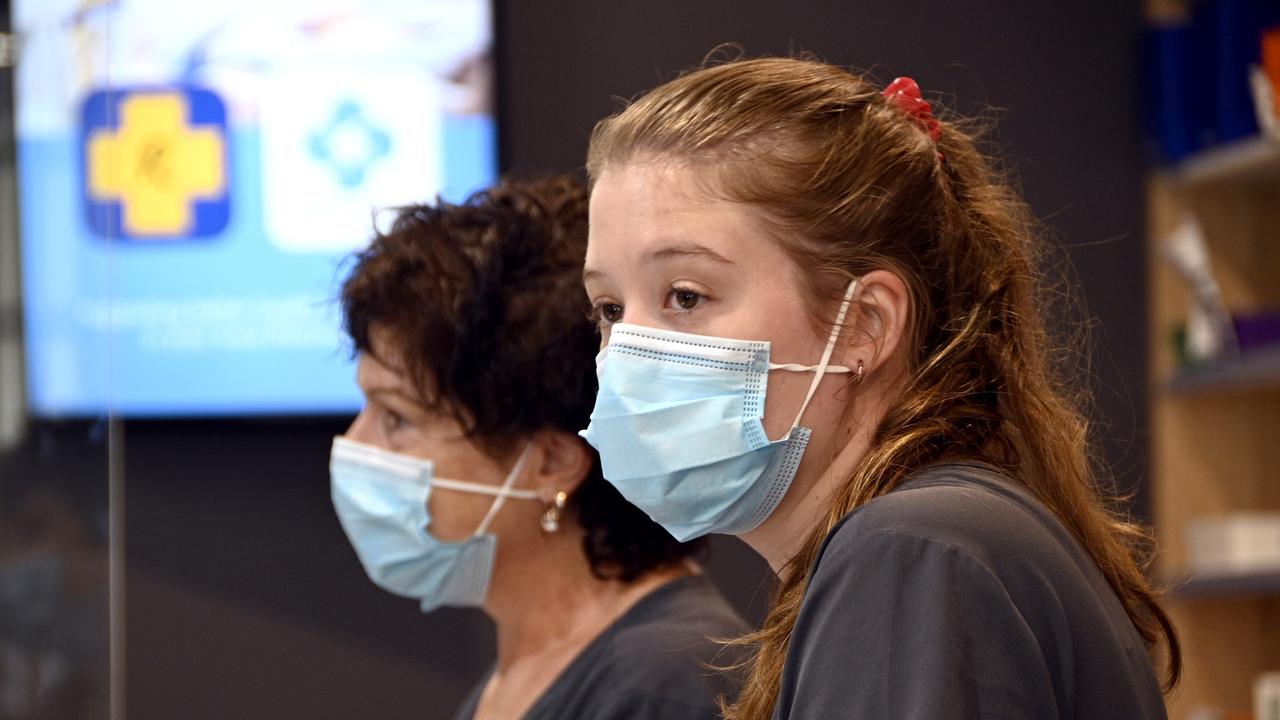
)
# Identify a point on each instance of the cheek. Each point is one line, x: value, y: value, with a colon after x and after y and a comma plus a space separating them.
x: 764, y: 304
x: 786, y: 392
x: 518, y: 528
x: 454, y: 515
x: 794, y: 340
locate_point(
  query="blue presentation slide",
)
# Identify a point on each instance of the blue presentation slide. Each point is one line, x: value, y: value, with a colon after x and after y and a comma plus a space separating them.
x: 194, y: 181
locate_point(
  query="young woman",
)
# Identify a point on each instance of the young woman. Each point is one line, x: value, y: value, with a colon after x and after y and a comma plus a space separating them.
x: 462, y: 482
x: 822, y: 331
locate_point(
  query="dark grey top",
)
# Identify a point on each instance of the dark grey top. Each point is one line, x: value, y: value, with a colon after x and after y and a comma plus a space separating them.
x: 648, y: 665
x: 958, y: 595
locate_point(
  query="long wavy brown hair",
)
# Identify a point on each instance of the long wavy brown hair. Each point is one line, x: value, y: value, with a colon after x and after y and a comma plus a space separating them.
x: 851, y: 184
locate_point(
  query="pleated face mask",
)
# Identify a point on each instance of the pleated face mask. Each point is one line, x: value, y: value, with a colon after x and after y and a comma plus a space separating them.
x: 678, y: 425
x: 381, y: 500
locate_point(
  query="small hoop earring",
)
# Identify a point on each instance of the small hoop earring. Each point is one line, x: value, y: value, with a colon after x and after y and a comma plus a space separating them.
x: 857, y: 379
x: 551, y: 518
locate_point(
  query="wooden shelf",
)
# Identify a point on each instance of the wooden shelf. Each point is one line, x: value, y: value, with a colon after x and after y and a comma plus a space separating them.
x: 1256, y: 370
x: 1206, y: 587
x: 1254, y: 160
x: 1214, y: 428
x: 1214, y: 446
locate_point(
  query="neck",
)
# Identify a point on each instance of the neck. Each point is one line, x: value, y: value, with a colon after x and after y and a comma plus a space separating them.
x: 780, y: 538
x: 552, y: 603
x: 824, y: 471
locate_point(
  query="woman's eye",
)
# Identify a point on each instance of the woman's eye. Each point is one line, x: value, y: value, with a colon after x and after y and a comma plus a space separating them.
x: 607, y: 313
x: 391, y: 420
x: 685, y: 299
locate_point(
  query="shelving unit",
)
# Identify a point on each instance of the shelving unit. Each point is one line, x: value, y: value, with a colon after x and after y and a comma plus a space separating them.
x: 1215, y: 431
x: 1258, y: 371
x: 1254, y: 160
x: 1215, y: 438
x: 1236, y: 585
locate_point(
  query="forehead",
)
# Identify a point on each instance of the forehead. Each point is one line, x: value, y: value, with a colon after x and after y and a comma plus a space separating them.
x: 648, y: 198
x: 637, y: 210
x: 382, y: 365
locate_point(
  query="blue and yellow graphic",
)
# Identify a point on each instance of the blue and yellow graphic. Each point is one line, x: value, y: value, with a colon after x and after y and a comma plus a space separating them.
x: 350, y: 144
x: 154, y: 163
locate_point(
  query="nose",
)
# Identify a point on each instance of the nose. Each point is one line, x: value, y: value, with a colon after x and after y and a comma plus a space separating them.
x: 361, y: 428
x: 643, y: 317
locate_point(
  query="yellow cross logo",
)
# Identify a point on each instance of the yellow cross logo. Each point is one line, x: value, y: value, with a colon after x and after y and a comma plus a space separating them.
x: 156, y: 164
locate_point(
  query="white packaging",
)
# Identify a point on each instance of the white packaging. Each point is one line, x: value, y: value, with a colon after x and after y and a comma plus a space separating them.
x: 1234, y: 544
x: 1206, y: 713
x: 1266, y: 697
x: 1264, y: 101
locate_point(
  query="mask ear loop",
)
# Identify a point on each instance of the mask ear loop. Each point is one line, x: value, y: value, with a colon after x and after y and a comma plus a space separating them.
x: 821, y: 367
x: 505, y: 491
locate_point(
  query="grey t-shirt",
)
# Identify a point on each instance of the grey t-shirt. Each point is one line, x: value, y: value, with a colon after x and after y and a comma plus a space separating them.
x: 649, y: 665
x: 958, y: 595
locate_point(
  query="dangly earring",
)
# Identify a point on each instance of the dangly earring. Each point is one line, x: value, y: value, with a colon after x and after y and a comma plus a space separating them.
x: 857, y: 378
x: 551, y: 518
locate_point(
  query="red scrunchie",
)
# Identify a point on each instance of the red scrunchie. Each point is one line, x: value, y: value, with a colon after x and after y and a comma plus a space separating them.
x: 905, y: 93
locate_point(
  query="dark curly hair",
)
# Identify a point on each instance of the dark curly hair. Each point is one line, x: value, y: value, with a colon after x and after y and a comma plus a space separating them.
x: 484, y: 299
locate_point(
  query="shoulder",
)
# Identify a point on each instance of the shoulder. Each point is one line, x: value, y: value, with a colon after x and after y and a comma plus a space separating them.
x: 666, y: 651
x: 971, y: 532
x: 679, y: 626
x: 971, y: 513
x: 964, y: 582
x: 906, y: 615
x: 654, y: 662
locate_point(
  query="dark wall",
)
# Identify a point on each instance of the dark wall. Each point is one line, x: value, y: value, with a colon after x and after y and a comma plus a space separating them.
x: 245, y: 600
x: 1060, y: 77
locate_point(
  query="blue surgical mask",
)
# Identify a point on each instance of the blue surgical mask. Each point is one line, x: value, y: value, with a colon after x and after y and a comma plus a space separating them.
x: 678, y: 425
x: 381, y: 500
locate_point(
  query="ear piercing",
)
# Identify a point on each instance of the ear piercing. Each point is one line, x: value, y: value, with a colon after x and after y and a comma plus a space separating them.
x: 551, y: 518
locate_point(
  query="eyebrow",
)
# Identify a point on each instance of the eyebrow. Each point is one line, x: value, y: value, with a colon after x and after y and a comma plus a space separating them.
x: 384, y: 394
x: 673, y: 251
x: 689, y: 250
x: 682, y: 250
x: 380, y: 386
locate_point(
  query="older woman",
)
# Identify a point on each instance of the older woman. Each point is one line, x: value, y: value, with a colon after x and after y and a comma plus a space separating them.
x: 462, y: 482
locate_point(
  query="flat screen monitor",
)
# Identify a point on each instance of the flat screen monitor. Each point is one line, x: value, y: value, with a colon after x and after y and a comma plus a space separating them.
x: 192, y: 177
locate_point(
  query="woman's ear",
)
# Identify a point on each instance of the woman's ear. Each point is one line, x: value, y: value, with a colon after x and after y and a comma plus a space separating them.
x: 561, y: 462
x: 881, y: 307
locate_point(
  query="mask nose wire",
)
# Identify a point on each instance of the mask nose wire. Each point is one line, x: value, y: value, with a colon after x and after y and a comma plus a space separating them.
x: 821, y: 367
x: 505, y: 490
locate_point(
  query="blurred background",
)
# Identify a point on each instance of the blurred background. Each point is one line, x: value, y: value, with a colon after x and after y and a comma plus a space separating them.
x: 172, y: 372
